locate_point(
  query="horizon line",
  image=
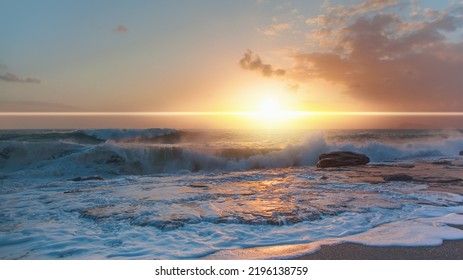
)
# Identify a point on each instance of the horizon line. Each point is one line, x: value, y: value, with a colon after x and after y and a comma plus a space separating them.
x: 238, y: 113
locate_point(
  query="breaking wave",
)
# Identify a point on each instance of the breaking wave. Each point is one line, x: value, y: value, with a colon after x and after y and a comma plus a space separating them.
x: 155, y: 151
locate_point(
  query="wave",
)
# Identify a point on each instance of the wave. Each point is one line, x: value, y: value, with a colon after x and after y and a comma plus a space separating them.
x: 128, y: 135
x: 95, y: 136
x: 163, y: 151
x: 63, y: 158
x: 379, y: 152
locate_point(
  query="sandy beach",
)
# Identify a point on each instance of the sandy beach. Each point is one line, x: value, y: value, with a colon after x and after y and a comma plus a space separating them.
x: 449, y: 250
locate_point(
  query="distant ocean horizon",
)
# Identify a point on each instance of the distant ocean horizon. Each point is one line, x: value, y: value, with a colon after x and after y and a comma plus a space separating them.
x: 188, y: 194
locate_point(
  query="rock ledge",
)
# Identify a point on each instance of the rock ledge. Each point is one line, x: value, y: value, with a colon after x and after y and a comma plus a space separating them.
x: 341, y: 158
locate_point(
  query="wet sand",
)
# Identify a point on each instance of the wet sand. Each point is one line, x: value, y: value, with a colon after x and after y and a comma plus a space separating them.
x: 449, y: 250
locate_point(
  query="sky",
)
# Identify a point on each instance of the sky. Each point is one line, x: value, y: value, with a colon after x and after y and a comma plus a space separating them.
x: 222, y: 56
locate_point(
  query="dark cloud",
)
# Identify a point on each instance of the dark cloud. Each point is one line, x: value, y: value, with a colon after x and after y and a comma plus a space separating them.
x: 8, y: 77
x: 251, y: 61
x: 385, y: 57
x: 121, y: 29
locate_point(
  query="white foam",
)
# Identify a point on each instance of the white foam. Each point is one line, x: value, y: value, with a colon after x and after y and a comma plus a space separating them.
x: 378, y: 152
x: 120, y: 217
x: 416, y: 232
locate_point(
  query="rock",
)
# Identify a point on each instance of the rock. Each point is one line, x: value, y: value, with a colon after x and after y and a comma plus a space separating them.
x: 449, y: 180
x: 398, y: 177
x: 442, y: 162
x: 5, y: 153
x: 406, y: 165
x: 197, y: 186
x: 341, y: 158
x: 115, y: 159
x: 79, y: 179
x: 461, y: 153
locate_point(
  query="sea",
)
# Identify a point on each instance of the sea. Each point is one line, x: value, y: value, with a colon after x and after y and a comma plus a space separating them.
x: 222, y: 194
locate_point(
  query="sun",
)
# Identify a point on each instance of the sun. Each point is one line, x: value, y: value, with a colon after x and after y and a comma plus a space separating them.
x: 269, y: 107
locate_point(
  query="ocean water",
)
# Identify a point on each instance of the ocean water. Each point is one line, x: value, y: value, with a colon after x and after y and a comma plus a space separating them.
x: 188, y: 194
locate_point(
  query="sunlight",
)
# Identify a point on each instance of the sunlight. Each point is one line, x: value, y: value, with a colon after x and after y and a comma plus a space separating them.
x: 269, y: 108
x: 272, y: 114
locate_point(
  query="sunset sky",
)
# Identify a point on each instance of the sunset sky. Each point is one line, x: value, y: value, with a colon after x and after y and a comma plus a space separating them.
x: 230, y: 56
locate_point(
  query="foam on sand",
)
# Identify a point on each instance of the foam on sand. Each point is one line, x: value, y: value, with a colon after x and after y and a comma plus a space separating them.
x: 416, y: 232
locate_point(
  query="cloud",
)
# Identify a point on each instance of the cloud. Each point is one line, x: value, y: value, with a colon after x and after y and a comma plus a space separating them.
x: 121, y: 29
x: 8, y: 77
x: 276, y: 29
x: 251, y: 61
x: 292, y: 87
x: 385, y: 57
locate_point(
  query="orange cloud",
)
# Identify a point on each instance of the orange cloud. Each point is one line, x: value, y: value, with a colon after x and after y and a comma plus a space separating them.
x: 276, y: 29
x: 384, y: 57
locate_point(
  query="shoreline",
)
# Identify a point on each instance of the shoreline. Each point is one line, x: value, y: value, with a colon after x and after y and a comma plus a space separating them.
x: 338, y: 249
x: 449, y: 250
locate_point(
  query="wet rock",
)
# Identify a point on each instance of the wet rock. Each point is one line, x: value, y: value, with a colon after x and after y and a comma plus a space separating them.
x: 450, y: 180
x: 198, y: 186
x: 406, y: 166
x: 442, y: 162
x: 5, y: 153
x: 89, y: 178
x: 341, y: 158
x: 398, y: 177
x: 115, y: 159
x: 73, y: 191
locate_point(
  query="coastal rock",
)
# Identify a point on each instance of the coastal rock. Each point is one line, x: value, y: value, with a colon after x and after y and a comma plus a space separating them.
x: 461, y: 153
x: 434, y: 179
x: 115, y: 159
x: 398, y: 177
x: 341, y: 158
x: 79, y: 179
x: 5, y: 153
x: 443, y: 162
x: 198, y: 186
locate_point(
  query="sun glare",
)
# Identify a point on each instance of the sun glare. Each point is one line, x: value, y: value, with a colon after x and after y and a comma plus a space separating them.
x: 269, y: 108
